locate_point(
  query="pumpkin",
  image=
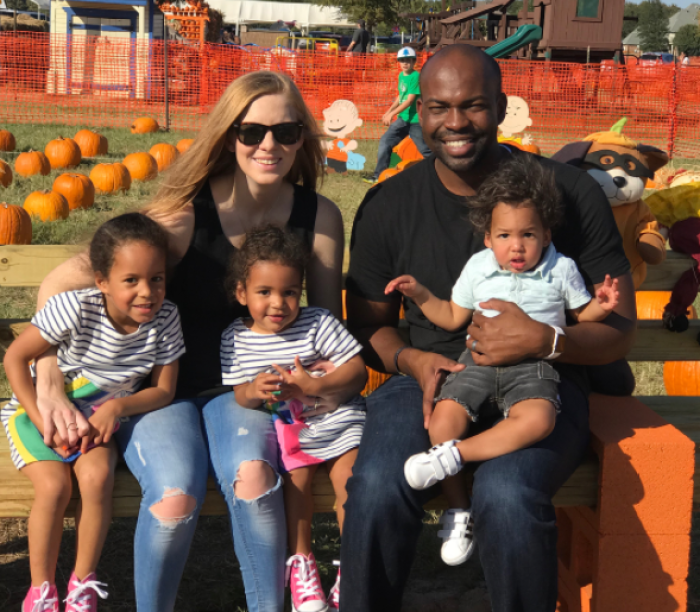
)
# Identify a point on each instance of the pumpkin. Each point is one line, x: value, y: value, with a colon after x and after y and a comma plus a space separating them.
x: 91, y: 144
x: 682, y: 377
x: 77, y: 189
x: 141, y: 166
x: 184, y: 144
x: 15, y: 225
x: 5, y: 174
x: 47, y: 205
x: 388, y: 173
x: 111, y: 178
x: 144, y: 125
x: 164, y: 154
x: 31, y: 163
x: 63, y: 153
x: 7, y: 141
x: 650, y: 305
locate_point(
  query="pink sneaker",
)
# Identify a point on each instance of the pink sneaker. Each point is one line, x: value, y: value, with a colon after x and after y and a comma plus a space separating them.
x: 41, y: 599
x: 82, y: 596
x: 305, y: 584
x: 334, y: 595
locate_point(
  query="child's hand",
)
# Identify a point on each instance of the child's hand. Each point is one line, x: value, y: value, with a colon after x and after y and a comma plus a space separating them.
x: 264, y: 385
x: 296, y: 383
x: 104, y: 421
x: 407, y: 285
x: 386, y: 119
x: 608, y: 294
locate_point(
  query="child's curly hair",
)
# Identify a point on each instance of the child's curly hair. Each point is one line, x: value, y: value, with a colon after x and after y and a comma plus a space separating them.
x: 520, y: 181
x: 267, y: 243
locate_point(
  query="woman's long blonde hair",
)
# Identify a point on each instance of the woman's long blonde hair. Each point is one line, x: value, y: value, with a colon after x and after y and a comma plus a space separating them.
x: 209, y: 157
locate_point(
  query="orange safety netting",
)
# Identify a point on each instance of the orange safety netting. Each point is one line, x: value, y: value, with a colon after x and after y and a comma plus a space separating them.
x: 108, y: 81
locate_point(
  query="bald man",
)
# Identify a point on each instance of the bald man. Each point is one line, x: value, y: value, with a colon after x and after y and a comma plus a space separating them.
x: 415, y: 223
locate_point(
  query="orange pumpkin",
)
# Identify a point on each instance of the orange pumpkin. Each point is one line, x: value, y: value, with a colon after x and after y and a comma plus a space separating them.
x: 63, y: 153
x: 5, y: 174
x: 184, y: 144
x: 7, y: 141
x: 530, y: 148
x: 144, y: 125
x: 388, y: 173
x: 650, y: 305
x: 682, y: 377
x: 31, y: 163
x: 77, y: 189
x: 47, y: 205
x: 15, y: 225
x: 111, y: 178
x: 91, y: 144
x: 141, y: 166
x: 164, y: 154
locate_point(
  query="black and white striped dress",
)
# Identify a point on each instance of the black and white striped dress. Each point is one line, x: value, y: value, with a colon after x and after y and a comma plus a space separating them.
x: 315, y: 336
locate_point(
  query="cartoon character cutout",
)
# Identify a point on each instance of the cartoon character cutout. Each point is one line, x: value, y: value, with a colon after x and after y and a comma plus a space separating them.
x: 517, y: 120
x: 340, y: 119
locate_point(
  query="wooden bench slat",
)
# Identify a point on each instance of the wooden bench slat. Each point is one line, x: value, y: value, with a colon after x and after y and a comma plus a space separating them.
x: 26, y: 266
x: 655, y: 343
x: 664, y: 276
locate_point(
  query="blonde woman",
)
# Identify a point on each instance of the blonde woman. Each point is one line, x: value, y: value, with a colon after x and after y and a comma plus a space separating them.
x: 257, y: 160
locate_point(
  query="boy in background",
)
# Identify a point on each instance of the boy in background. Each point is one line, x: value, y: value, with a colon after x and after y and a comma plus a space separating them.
x: 404, y: 109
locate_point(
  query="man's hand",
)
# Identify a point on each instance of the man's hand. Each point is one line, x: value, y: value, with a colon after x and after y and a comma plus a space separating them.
x: 428, y: 369
x: 509, y: 337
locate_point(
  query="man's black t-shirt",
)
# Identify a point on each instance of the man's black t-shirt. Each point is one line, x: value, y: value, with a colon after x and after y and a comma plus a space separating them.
x: 361, y: 40
x: 411, y: 224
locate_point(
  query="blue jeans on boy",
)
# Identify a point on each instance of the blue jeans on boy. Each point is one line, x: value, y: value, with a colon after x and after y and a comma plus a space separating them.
x: 397, y: 131
x: 514, y: 520
x: 172, y: 450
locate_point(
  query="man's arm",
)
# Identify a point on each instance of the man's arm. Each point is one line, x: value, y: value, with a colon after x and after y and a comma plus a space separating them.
x: 513, y: 336
x: 375, y: 325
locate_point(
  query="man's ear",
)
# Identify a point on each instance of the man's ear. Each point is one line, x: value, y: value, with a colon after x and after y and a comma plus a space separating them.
x: 240, y: 294
x: 501, y: 107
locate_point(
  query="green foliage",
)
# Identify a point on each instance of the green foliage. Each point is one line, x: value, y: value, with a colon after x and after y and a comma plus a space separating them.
x: 653, y: 26
x: 687, y: 39
x: 636, y: 10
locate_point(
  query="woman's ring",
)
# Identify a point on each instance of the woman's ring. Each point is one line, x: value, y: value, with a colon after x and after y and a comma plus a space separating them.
x: 474, y: 346
x: 316, y: 404
x: 75, y: 426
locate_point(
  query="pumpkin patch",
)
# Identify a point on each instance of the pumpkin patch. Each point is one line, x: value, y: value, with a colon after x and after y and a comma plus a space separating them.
x: 5, y: 174
x: 63, y: 153
x: 31, y: 163
x: 91, y: 144
x: 47, y: 205
x: 77, y: 189
x: 7, y: 141
x: 15, y: 225
x: 144, y: 125
x: 184, y: 144
x: 164, y: 154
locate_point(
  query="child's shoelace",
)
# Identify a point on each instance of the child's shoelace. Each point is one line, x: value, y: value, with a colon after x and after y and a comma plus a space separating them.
x: 306, y: 581
x: 79, y: 597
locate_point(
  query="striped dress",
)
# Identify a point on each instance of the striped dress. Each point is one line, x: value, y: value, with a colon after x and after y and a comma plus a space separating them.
x: 315, y: 336
x: 98, y: 363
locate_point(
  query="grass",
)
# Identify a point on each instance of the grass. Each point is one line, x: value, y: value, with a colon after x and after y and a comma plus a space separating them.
x: 212, y: 581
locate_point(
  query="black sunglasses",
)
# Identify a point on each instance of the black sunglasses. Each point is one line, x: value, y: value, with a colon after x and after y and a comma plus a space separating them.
x: 251, y: 134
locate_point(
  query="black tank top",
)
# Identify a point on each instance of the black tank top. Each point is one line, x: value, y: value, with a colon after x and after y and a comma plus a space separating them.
x: 196, y: 285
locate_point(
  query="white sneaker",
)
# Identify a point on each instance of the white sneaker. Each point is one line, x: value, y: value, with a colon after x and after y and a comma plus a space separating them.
x: 457, y: 536
x: 425, y: 469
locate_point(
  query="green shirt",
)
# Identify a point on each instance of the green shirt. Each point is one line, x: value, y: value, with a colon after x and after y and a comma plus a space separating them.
x: 409, y: 84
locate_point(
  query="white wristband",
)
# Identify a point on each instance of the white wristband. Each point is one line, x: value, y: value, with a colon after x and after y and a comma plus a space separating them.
x: 558, y: 333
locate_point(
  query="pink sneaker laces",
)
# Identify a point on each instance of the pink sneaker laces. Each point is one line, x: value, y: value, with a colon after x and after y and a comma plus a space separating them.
x: 305, y: 583
x: 80, y: 594
x: 44, y: 603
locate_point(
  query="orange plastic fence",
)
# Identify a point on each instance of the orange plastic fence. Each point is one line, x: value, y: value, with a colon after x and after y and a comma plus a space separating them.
x: 107, y: 81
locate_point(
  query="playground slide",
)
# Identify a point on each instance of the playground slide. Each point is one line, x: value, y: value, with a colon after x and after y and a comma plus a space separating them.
x: 523, y: 36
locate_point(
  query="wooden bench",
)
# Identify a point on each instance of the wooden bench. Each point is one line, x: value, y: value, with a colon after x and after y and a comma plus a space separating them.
x: 624, y: 515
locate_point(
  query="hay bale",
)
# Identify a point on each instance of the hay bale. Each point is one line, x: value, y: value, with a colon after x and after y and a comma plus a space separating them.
x: 25, y: 23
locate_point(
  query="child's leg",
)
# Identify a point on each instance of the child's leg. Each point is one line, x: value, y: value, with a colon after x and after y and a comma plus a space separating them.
x: 528, y: 422
x: 450, y: 421
x: 52, y: 491
x: 95, y: 474
x: 339, y: 470
x: 299, y: 508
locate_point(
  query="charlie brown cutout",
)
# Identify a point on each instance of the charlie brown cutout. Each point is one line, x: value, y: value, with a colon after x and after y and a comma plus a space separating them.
x: 517, y: 120
x: 340, y: 119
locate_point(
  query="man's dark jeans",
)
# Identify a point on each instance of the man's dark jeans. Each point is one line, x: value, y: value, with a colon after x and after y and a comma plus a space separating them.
x: 397, y: 131
x: 514, y: 520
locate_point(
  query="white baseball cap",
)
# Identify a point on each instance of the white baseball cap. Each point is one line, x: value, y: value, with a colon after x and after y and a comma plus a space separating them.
x: 406, y: 52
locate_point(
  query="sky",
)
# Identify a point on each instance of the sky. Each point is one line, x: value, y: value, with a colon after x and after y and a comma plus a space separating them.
x: 682, y: 3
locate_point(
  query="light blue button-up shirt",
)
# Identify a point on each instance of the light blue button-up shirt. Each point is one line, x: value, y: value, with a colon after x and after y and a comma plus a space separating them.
x: 544, y: 293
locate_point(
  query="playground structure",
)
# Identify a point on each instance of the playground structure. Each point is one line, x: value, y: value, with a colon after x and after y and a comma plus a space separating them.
x: 569, y: 30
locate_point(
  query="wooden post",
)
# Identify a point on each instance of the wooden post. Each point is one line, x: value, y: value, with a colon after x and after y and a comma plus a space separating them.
x: 165, y: 72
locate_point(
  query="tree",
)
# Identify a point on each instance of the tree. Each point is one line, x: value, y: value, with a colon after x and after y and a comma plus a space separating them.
x: 653, y: 26
x: 634, y: 10
x: 687, y: 39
